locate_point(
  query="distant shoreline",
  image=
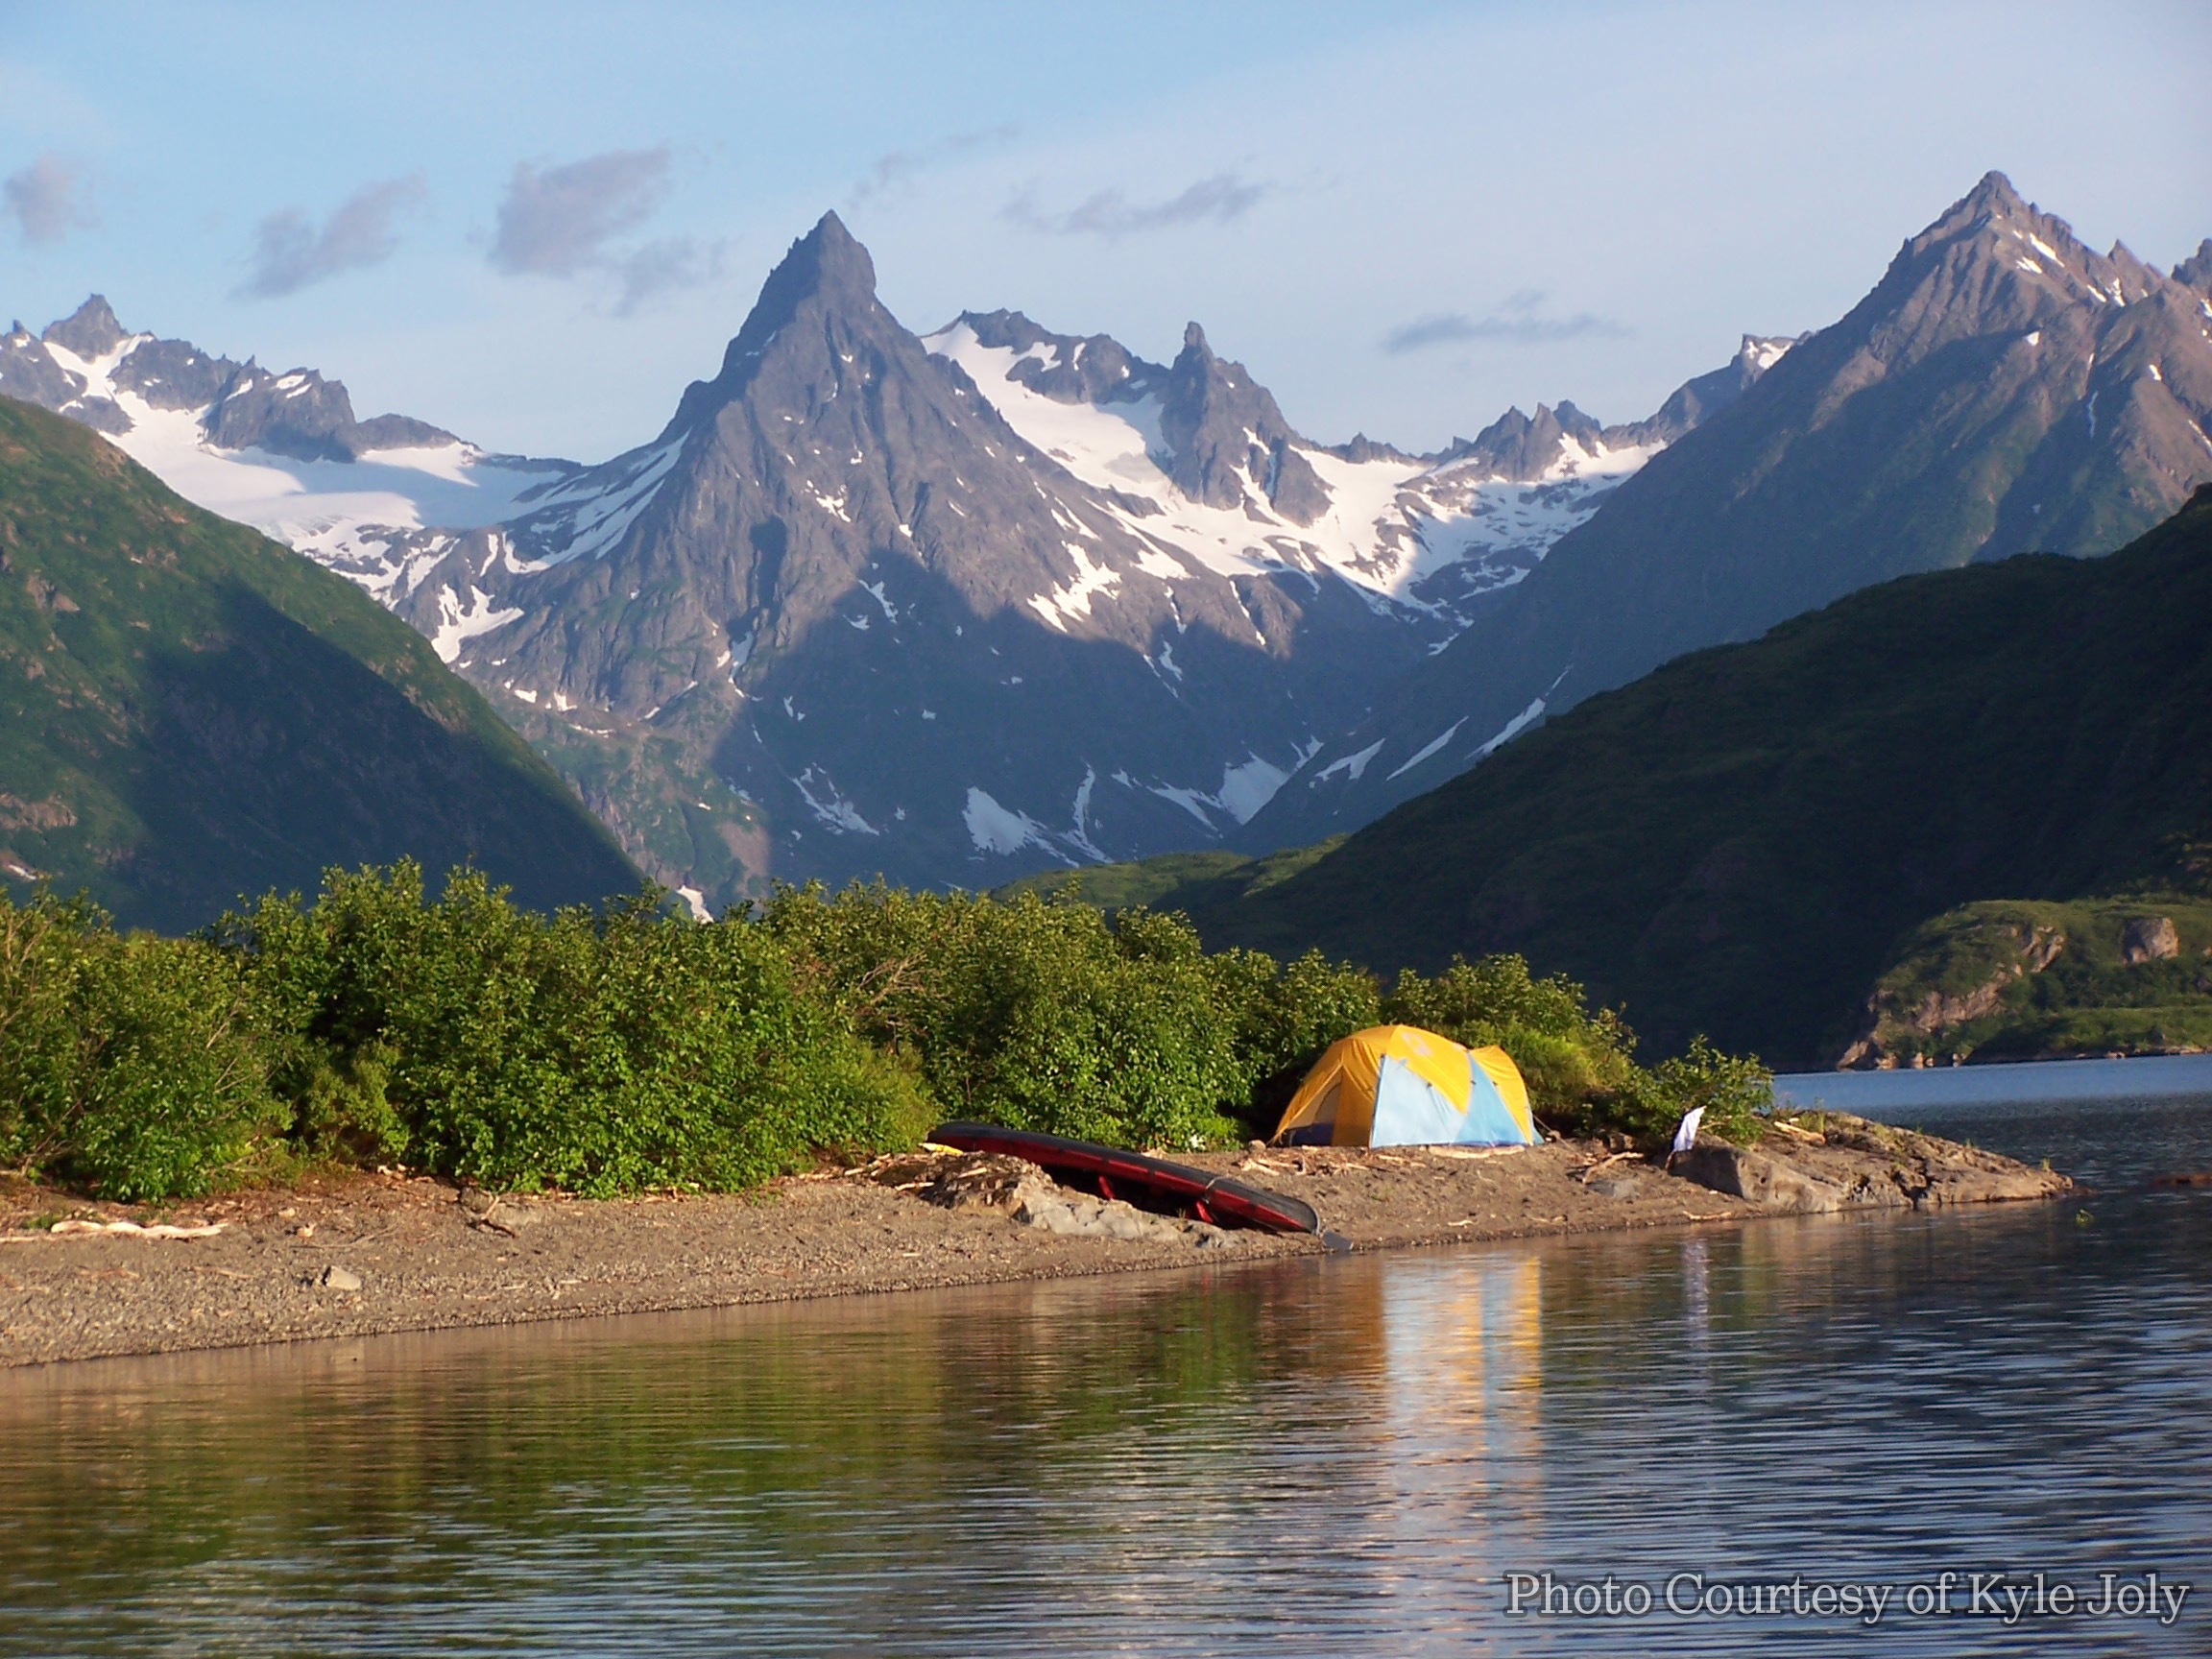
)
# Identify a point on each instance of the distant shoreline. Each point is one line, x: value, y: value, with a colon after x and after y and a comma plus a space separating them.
x: 1870, y: 1093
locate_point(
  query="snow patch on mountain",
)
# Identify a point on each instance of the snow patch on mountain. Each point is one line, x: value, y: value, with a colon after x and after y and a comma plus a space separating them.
x: 830, y: 809
x: 1351, y: 765
x: 1246, y: 785
x: 459, y: 621
x: 1429, y: 747
x: 1511, y: 729
x: 587, y: 514
x: 1092, y: 579
x: 995, y: 829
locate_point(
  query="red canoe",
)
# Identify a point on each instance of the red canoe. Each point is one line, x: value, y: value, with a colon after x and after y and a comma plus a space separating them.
x: 1149, y: 1182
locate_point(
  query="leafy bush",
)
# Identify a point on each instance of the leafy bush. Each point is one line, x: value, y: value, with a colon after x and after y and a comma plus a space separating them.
x: 127, y: 1064
x: 1033, y: 1015
x: 1733, y: 1089
x: 606, y: 1053
x: 602, y: 1054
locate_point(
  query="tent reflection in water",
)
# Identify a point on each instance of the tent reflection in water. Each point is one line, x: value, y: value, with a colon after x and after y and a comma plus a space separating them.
x: 1400, y: 1086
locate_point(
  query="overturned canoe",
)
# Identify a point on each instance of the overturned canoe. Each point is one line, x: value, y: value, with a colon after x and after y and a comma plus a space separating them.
x: 1148, y: 1183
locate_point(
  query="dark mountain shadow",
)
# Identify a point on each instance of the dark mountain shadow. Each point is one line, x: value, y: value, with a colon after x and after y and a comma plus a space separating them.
x: 272, y: 753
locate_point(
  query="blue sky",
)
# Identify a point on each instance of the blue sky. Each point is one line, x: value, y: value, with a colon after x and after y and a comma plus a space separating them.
x: 535, y: 223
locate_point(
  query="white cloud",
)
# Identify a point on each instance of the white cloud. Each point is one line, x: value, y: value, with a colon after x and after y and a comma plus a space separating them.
x: 290, y: 253
x: 557, y: 221
x: 45, y: 197
x: 1220, y: 199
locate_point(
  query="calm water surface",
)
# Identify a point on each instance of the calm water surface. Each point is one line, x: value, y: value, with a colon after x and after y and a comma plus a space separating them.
x: 1313, y: 1457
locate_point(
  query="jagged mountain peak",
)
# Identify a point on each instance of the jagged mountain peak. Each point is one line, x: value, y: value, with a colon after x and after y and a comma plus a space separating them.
x: 1229, y: 439
x: 91, y: 330
x: 2195, y: 270
x: 828, y: 260
x: 826, y: 266
x: 835, y: 255
x: 1995, y: 227
x: 1993, y: 193
x: 1990, y: 210
x: 1520, y: 446
x: 1004, y: 331
x: 826, y: 275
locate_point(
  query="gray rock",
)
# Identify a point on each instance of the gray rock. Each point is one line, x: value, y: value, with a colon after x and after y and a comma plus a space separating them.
x: 1230, y: 440
x: 1764, y: 1181
x: 175, y: 374
x: 2195, y: 270
x: 90, y: 330
x: 1851, y: 1164
x: 1097, y: 369
x: 337, y: 1278
x: 2148, y: 939
x: 299, y: 414
x: 29, y: 373
x: 1074, y: 1216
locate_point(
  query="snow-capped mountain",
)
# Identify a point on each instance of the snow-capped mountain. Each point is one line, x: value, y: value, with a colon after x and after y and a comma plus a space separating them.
x: 949, y: 609
x: 2003, y: 388
x: 1195, y: 458
x: 281, y: 452
x: 869, y: 626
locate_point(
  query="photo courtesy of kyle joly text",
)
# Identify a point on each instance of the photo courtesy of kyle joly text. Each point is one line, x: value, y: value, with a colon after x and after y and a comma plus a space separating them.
x: 2005, y: 1596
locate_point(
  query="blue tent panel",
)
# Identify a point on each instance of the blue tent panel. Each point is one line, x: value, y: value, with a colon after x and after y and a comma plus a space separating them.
x: 1488, y: 1122
x: 1410, y: 1110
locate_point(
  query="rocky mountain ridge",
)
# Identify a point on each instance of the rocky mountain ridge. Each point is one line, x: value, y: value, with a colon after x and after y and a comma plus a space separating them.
x: 2002, y: 388
x: 946, y: 609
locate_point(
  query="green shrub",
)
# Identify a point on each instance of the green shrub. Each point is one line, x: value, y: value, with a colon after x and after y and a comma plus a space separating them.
x: 1034, y: 1015
x: 129, y: 1065
x: 600, y: 1053
x: 628, y: 1049
x: 1735, y: 1090
x: 1574, y: 1061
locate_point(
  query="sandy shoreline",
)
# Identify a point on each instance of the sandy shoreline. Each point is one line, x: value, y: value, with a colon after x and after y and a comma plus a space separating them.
x: 357, y: 1255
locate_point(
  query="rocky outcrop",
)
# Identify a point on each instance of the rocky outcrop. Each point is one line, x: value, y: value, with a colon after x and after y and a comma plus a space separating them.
x: 1024, y: 1192
x: 1822, y: 1163
x: 2195, y: 270
x: 2148, y: 939
x: 1227, y: 436
x: 90, y: 330
x: 1892, y: 1022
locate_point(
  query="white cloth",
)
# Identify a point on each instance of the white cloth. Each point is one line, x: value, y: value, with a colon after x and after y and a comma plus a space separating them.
x: 1686, y: 1136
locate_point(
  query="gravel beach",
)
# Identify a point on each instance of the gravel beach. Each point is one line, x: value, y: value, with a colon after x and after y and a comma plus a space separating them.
x: 353, y: 1253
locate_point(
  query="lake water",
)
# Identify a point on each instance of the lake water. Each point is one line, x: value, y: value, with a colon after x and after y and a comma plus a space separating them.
x: 1345, y: 1455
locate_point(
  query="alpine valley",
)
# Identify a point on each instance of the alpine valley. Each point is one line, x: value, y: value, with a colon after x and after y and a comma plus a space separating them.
x: 959, y: 606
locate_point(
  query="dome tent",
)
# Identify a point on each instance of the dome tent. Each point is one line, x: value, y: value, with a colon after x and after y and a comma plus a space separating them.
x: 1400, y: 1086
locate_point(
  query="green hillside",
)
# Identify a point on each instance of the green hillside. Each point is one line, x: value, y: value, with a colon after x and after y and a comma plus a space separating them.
x: 2014, y: 979
x: 1743, y: 841
x: 189, y: 712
